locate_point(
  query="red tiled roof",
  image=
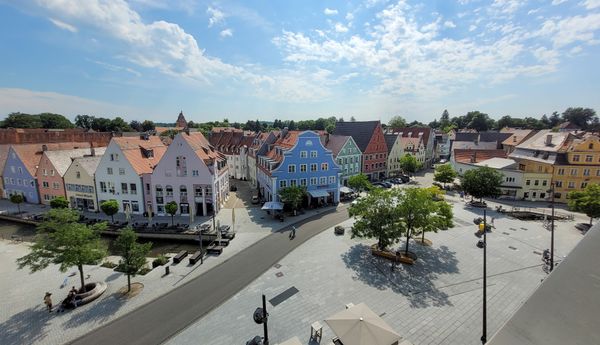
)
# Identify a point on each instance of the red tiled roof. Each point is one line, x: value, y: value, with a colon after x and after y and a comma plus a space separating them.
x: 414, y: 132
x: 134, y: 150
x: 475, y: 156
x: 204, y: 150
x: 30, y: 154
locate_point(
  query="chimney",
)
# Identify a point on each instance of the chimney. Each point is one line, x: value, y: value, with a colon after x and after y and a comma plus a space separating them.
x: 514, y: 138
x: 548, y: 139
x: 326, y: 138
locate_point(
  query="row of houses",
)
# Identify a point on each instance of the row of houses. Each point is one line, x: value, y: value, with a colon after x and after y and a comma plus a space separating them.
x: 532, y: 162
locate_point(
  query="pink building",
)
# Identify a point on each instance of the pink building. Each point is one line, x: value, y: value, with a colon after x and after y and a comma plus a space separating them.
x: 52, y: 168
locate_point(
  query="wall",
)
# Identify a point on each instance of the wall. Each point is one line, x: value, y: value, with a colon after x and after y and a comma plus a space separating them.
x: 86, y: 180
x: 51, y: 184
x: 375, y: 156
x: 40, y: 135
x: 348, y: 159
x: 15, y: 172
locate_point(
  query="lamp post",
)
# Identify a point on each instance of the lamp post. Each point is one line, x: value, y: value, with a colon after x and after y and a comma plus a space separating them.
x: 483, y: 226
x: 261, y: 316
x: 552, y: 230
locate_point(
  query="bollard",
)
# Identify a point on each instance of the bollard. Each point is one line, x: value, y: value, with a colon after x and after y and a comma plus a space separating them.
x: 167, y: 270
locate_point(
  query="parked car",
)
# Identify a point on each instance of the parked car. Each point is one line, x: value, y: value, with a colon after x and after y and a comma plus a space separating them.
x: 583, y: 227
x: 386, y: 184
x: 378, y: 184
x: 232, y: 188
x: 404, y: 178
x: 255, y: 199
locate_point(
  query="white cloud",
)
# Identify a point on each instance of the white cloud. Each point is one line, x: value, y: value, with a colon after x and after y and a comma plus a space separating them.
x: 226, y: 33
x: 116, y: 68
x: 216, y: 16
x: 63, y: 25
x: 558, y: 2
x: 575, y: 50
x: 591, y: 4
x: 339, y: 27
x: 508, y: 6
x: 571, y: 29
x: 330, y: 12
x: 349, y: 16
x: 449, y: 24
x: 34, y: 102
x: 472, y: 27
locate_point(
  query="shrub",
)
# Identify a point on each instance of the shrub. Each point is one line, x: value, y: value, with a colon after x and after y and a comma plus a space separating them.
x: 160, y: 260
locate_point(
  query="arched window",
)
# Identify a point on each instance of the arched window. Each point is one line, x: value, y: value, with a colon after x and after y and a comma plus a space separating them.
x: 169, y: 190
x: 183, y: 190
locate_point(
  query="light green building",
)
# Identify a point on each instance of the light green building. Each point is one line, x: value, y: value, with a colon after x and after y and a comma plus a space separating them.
x: 346, y: 154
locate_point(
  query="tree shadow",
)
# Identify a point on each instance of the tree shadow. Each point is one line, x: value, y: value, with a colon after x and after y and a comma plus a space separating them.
x: 96, y: 312
x: 415, y: 282
x: 26, y: 327
x: 113, y: 276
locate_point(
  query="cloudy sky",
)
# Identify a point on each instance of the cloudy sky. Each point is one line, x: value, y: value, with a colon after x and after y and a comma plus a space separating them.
x: 371, y: 59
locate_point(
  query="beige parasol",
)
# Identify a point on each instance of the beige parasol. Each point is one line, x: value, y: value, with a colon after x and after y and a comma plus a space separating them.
x: 359, y: 325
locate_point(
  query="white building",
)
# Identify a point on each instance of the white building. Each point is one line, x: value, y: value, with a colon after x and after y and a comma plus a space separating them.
x: 119, y: 173
x: 234, y: 144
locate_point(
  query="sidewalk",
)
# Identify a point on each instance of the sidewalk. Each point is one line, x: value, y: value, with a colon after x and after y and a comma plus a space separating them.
x: 22, y: 316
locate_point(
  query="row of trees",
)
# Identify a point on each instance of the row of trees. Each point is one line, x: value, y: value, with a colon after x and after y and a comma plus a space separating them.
x: 102, y: 124
x: 43, y: 120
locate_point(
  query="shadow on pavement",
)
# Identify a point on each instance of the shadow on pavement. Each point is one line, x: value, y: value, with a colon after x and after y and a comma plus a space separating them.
x: 96, y: 312
x: 26, y: 327
x: 415, y: 282
x: 113, y: 276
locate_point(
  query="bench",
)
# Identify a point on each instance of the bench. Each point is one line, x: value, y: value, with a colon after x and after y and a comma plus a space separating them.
x: 228, y: 236
x: 195, y: 257
x: 223, y: 242
x: 214, y: 249
x: 391, y: 256
x: 182, y: 254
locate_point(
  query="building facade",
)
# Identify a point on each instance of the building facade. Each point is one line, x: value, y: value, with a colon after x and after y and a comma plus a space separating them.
x: 368, y: 136
x: 299, y: 159
x: 19, y: 176
x: 119, y: 173
x: 578, y: 166
x: 428, y: 137
x: 395, y: 152
x: 80, y: 186
x: 191, y: 173
x: 346, y: 154
x: 234, y: 144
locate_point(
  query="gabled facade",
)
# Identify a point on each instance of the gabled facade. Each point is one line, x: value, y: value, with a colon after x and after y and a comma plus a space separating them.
x: 52, y: 168
x: 260, y: 146
x: 191, y: 173
x: 395, y: 152
x: 299, y: 159
x: 414, y: 147
x: 234, y: 144
x: 80, y: 186
x: 369, y: 138
x: 428, y: 137
x: 346, y: 154
x: 19, y: 177
x: 119, y: 173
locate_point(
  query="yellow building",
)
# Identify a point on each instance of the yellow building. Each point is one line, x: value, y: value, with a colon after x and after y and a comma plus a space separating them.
x: 578, y: 166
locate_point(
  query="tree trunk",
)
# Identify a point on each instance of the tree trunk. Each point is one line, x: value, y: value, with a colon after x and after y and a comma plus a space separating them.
x: 19, y: 209
x: 80, y: 268
x: 407, y: 237
x: 591, y: 218
x: 172, y: 221
x: 112, y: 218
x: 423, y: 236
x: 128, y: 282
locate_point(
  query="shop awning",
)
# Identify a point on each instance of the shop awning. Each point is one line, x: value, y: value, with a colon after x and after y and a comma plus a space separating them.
x: 272, y: 205
x: 345, y: 190
x: 318, y: 193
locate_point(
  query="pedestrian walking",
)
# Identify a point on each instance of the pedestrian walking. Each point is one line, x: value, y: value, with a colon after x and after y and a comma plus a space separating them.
x: 293, y: 233
x: 48, y: 301
x: 493, y: 226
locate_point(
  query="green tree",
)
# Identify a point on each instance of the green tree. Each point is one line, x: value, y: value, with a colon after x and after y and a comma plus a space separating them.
x: 482, y: 182
x: 59, y: 202
x: 397, y: 122
x: 110, y: 208
x: 84, y: 121
x: 119, y: 125
x: 480, y: 121
x: 444, y: 173
x: 421, y: 209
x: 133, y: 254
x: 359, y: 183
x: 292, y: 196
x: 445, y: 119
x: 376, y: 217
x: 171, y: 208
x: 582, y: 117
x: 586, y: 201
x: 554, y: 119
x: 101, y: 124
x: 148, y: 125
x: 50, y: 120
x: 62, y: 240
x: 409, y: 164
x: 17, y: 199
x: 21, y: 120
x: 135, y: 125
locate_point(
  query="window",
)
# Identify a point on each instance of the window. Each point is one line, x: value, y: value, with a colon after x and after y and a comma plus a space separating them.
x: 291, y: 168
x: 46, y: 197
x: 575, y: 158
x: 52, y: 172
x: 544, y: 182
x: 303, y: 182
x: 55, y: 185
x: 303, y: 154
x: 183, y: 191
x: 293, y: 183
x: 561, y: 171
x: 542, y: 195
x: 331, y: 179
x: 322, y: 180
x: 586, y: 172
x: 540, y: 168
x: 571, y: 184
x: 180, y: 163
x: 528, y: 182
x: 589, y: 158
x: 302, y: 167
x: 313, y: 154
x: 12, y: 180
x: 521, y: 166
x: 124, y: 189
x: 20, y: 170
x: 147, y: 187
x: 194, y: 172
x: 133, y: 188
x: 591, y: 146
x: 313, y: 181
x: 558, y: 184
x: 19, y: 181
x: 103, y: 187
x: 573, y: 172
x: 121, y: 171
x: 45, y: 171
x: 114, y: 157
x: 313, y: 167
x: 583, y: 184
x: 536, y: 183
x: 78, y: 174
x: 169, y: 190
x: 324, y: 166
x: 135, y: 206
x: 126, y: 206
x: 45, y: 184
x: 282, y: 183
x: 111, y: 187
x: 109, y: 171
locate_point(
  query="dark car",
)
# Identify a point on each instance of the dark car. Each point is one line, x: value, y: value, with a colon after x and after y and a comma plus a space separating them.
x: 404, y: 178
x: 386, y: 184
x: 583, y: 227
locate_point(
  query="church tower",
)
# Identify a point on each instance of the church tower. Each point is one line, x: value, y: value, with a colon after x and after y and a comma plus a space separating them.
x: 181, y: 122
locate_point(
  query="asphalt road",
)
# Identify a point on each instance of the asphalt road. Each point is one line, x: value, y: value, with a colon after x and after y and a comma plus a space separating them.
x: 159, y: 320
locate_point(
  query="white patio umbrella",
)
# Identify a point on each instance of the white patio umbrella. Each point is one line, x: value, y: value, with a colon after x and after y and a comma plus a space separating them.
x: 359, y: 325
x: 292, y: 341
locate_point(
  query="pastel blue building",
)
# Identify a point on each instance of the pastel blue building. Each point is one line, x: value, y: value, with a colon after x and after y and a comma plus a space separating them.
x: 19, y: 173
x: 299, y: 159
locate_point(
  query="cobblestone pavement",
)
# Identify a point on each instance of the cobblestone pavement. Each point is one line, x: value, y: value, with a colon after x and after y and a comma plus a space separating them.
x: 436, y: 301
x: 22, y: 316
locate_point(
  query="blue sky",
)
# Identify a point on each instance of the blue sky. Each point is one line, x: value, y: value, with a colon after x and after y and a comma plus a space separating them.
x: 371, y: 59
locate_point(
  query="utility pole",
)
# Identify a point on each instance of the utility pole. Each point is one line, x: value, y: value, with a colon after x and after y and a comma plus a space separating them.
x: 484, y: 330
x: 552, y: 230
x: 265, y: 318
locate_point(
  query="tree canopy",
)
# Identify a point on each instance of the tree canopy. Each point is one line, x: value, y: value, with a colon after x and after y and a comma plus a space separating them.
x: 586, y: 201
x: 444, y: 173
x: 397, y: 122
x: 17, y: 199
x: 292, y: 196
x: 63, y: 241
x: 171, y: 208
x: 376, y: 217
x: 133, y: 254
x: 110, y: 208
x: 43, y: 120
x: 359, y: 183
x: 409, y: 164
x: 483, y: 182
x: 59, y: 202
x: 582, y: 117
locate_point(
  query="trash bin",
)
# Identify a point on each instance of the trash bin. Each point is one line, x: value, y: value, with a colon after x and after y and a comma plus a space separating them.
x: 167, y: 270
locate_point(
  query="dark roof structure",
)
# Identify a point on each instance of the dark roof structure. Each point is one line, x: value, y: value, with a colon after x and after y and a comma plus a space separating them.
x: 564, y: 309
x: 333, y: 142
x: 390, y: 139
x: 414, y: 132
x: 360, y: 131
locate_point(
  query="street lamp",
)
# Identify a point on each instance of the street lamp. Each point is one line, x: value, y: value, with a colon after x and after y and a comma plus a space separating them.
x: 483, y: 227
x: 552, y: 229
x: 261, y: 316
